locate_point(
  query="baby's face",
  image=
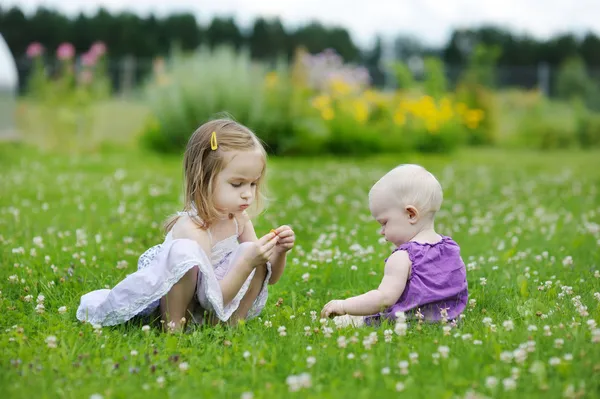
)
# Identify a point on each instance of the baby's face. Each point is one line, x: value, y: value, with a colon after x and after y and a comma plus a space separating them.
x: 394, y: 220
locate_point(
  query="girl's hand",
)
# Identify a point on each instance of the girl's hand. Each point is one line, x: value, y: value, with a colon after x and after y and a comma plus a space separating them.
x: 286, y: 237
x: 333, y: 308
x: 260, y: 253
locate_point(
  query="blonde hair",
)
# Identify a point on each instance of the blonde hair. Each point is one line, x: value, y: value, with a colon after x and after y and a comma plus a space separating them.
x: 201, y: 164
x: 410, y: 184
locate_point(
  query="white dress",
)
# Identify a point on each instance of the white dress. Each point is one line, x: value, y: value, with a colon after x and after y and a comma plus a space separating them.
x: 159, y: 268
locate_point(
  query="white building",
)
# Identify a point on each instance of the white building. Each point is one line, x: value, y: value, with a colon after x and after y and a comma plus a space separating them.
x: 8, y: 90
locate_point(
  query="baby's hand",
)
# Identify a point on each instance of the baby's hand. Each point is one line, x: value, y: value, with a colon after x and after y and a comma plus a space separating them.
x: 286, y: 238
x: 333, y: 308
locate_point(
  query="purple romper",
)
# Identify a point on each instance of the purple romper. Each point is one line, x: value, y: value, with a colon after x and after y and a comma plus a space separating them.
x: 437, y: 281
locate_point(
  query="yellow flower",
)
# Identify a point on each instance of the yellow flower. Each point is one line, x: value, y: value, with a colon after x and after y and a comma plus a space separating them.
x: 473, y: 117
x: 271, y: 79
x: 445, y: 110
x: 339, y: 86
x: 399, y: 117
x: 373, y: 96
x: 321, y: 102
x: 361, y: 111
x: 327, y: 114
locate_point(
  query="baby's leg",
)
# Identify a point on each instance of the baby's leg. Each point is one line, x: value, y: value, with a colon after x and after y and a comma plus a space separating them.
x: 179, y: 300
x: 256, y: 285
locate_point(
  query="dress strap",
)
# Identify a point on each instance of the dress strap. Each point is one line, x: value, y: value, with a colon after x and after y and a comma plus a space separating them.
x: 236, y: 226
x: 209, y: 237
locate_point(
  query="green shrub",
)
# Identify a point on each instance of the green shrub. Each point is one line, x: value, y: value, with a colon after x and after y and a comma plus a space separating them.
x: 198, y: 87
x: 588, y: 130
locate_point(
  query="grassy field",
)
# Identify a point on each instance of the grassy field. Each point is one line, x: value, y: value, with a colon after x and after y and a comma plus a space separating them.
x: 528, y: 225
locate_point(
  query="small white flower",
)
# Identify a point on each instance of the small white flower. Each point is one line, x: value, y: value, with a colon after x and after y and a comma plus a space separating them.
x: 491, y: 382
x: 96, y: 396
x: 399, y: 387
x: 508, y: 325
x: 268, y: 323
x: 297, y: 382
x: 568, y: 357
x: 160, y: 381
x: 305, y: 277
x: 146, y: 328
x: 133, y: 352
x: 246, y: 355
x: 444, y: 350
x: 554, y: 361
x: 400, y: 328
x: 509, y: 384
x: 506, y: 356
x: 247, y: 395
x: 385, y: 371
x: 350, y: 356
x: 547, y: 331
x: 51, y: 341
x: 310, y: 361
x: 282, y: 331
x: 62, y: 309
x: 414, y: 357
x: 184, y: 366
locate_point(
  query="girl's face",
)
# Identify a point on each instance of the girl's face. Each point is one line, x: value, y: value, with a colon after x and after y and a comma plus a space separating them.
x: 398, y: 224
x: 235, y: 185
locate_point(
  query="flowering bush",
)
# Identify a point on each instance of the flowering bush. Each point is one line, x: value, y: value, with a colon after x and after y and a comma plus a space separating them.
x: 65, y: 89
x: 320, y: 105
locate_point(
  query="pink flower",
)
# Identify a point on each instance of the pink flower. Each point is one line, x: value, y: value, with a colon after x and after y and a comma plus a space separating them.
x: 98, y: 49
x: 65, y: 51
x: 34, y: 50
x: 89, y: 58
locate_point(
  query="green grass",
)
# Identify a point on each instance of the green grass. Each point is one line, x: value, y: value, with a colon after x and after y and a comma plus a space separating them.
x: 516, y: 215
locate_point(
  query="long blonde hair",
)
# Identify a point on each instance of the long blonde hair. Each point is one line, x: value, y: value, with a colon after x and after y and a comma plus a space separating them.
x: 201, y: 164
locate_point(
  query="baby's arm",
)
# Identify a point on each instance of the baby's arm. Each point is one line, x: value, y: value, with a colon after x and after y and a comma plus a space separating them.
x: 390, y: 289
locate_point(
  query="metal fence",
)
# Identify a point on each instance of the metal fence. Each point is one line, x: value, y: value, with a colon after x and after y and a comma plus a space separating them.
x: 128, y: 74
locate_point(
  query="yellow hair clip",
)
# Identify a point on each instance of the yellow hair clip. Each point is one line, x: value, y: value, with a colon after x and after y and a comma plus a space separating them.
x: 213, y: 141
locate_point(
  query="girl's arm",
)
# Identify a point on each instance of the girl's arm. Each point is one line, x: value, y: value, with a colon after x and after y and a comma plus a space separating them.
x: 239, y: 272
x: 277, y: 260
x: 390, y: 289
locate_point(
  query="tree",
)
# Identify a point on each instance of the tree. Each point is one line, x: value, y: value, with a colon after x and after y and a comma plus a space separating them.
x: 224, y: 31
x: 268, y: 39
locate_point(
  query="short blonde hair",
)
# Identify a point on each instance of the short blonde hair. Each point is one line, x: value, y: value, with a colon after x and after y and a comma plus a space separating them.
x: 201, y: 164
x: 410, y: 184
